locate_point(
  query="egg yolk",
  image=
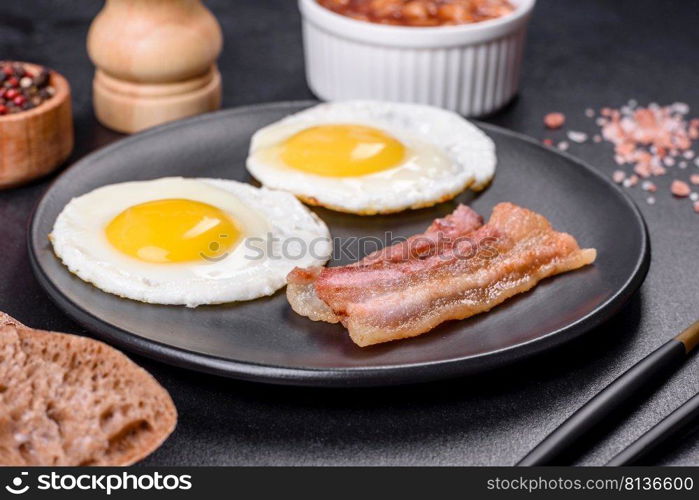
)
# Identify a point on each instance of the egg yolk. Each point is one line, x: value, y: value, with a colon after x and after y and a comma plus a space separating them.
x: 173, y: 230
x: 342, y: 150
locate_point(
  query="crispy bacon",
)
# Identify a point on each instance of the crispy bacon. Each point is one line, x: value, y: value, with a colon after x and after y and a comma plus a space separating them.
x: 440, y: 234
x: 301, y: 290
x: 383, y: 298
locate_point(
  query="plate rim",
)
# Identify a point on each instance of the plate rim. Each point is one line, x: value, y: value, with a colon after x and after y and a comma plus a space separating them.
x: 361, y: 376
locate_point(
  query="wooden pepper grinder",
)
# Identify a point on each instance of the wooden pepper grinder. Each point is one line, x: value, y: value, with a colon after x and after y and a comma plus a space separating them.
x: 156, y: 62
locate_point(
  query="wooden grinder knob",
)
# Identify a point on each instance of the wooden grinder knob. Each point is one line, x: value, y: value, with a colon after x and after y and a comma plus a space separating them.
x: 156, y: 62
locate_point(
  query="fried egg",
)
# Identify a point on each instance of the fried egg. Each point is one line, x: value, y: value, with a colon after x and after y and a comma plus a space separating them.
x: 371, y: 157
x: 188, y: 241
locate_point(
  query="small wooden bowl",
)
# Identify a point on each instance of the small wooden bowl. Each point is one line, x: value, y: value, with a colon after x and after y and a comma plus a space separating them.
x: 35, y: 142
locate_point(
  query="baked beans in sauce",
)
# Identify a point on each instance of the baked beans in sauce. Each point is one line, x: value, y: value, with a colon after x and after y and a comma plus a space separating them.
x: 420, y: 12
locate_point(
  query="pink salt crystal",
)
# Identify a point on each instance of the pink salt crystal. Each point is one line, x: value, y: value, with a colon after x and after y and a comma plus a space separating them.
x: 649, y: 186
x: 643, y: 170
x: 680, y: 189
x: 696, y: 206
x: 625, y: 148
x: 554, y: 120
x: 657, y: 170
x: 683, y: 142
x: 631, y: 181
x: 651, y: 139
x: 694, y: 128
x: 618, y: 176
x: 694, y: 179
x: 645, y: 118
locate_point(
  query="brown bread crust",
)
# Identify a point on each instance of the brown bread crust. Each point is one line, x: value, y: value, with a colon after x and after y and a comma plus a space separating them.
x: 70, y: 400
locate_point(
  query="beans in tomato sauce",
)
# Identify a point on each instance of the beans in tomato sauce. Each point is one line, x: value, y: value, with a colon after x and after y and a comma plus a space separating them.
x: 420, y: 12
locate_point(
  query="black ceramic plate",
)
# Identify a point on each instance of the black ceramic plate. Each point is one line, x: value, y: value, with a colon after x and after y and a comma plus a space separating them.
x: 264, y: 340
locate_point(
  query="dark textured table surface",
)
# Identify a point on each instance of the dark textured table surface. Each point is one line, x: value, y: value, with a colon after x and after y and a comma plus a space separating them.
x: 579, y: 54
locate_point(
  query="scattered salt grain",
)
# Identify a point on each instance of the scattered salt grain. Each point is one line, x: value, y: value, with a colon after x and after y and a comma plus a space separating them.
x: 589, y: 112
x: 576, y: 136
x: 694, y: 196
x: 649, y: 186
x: 598, y: 138
x: 651, y: 200
x: 554, y: 120
x: 683, y: 164
x: 648, y: 138
x: 680, y: 189
x: 681, y: 108
x: 631, y: 181
x: 563, y: 146
x: 618, y: 176
x: 694, y: 179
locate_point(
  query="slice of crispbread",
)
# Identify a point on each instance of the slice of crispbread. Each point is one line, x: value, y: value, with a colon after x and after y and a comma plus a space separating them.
x: 70, y: 400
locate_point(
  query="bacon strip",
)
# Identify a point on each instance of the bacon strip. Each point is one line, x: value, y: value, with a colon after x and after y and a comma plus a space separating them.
x: 387, y: 299
x: 440, y: 234
x: 301, y: 291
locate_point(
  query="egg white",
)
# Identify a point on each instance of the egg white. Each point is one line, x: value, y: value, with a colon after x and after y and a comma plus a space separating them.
x: 446, y: 154
x: 276, y: 230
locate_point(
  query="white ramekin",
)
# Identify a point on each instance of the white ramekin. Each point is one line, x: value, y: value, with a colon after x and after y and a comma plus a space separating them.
x: 472, y: 69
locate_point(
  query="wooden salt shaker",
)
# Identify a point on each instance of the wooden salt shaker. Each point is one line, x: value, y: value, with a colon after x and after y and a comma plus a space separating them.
x: 156, y: 62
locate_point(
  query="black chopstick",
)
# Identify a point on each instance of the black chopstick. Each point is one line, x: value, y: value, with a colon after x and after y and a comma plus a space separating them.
x: 628, y: 386
x: 671, y: 426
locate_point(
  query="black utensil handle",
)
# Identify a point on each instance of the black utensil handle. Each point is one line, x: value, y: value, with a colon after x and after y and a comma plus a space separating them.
x: 672, y: 425
x: 613, y: 397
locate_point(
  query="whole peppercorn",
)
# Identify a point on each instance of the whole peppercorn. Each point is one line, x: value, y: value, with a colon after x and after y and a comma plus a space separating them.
x: 21, y: 90
x: 42, y: 78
